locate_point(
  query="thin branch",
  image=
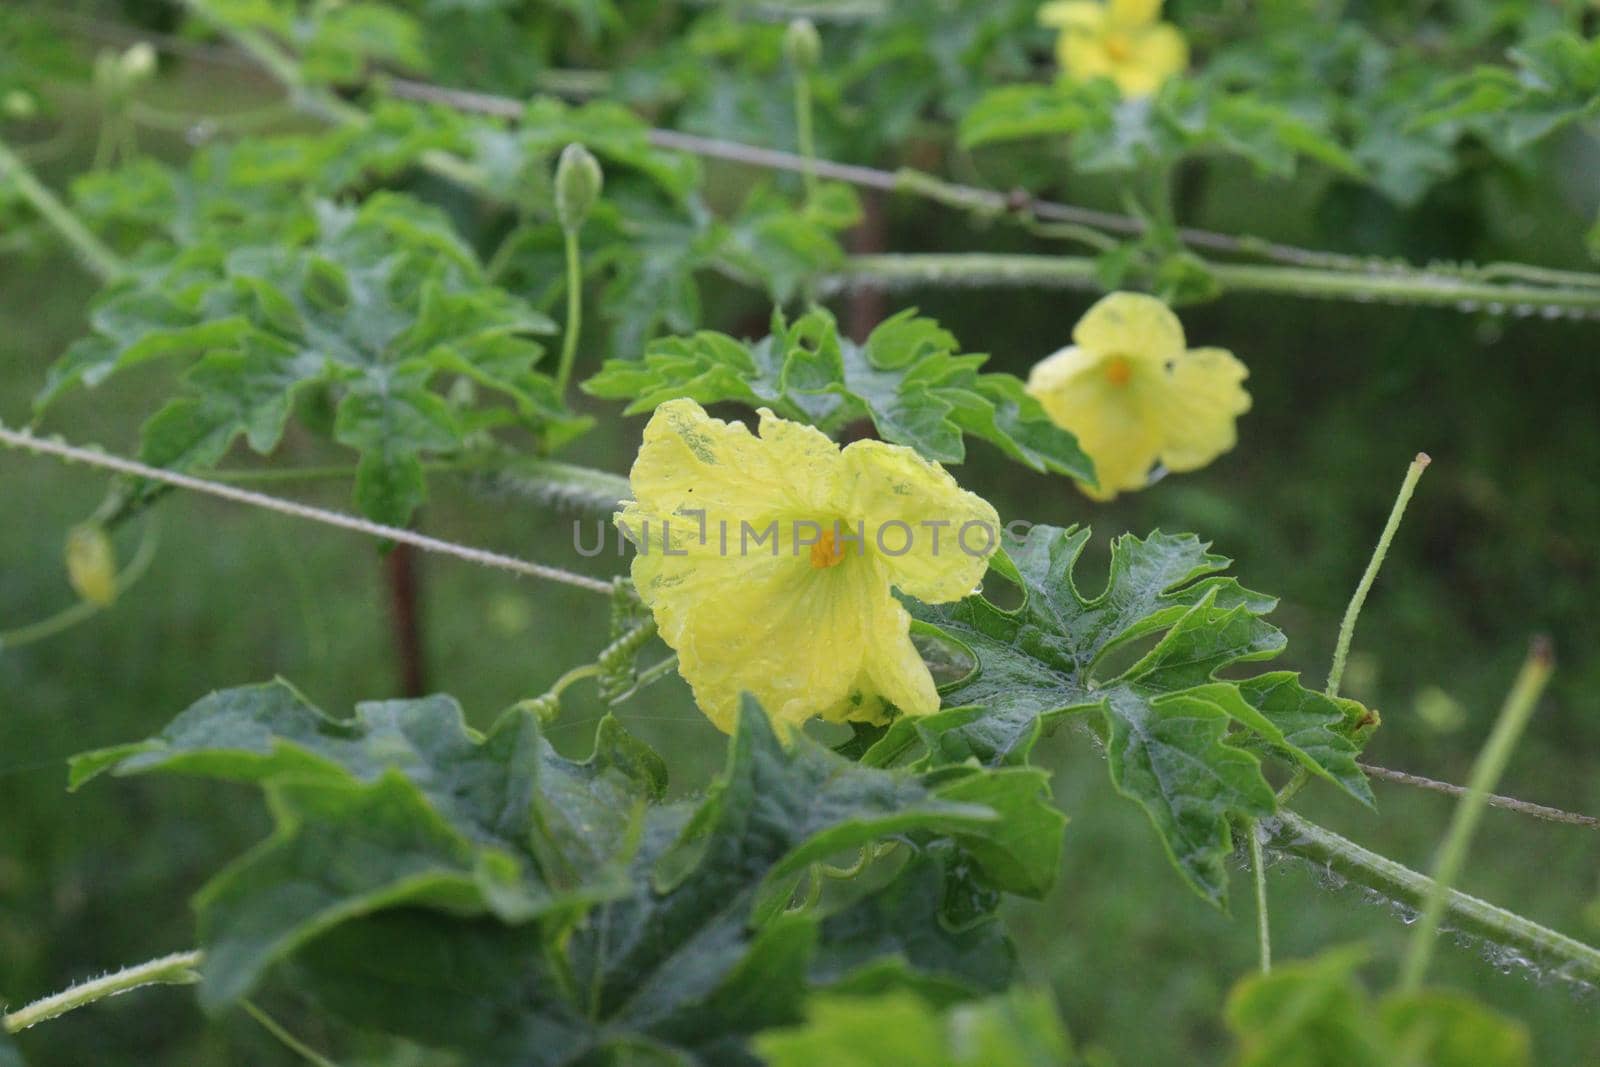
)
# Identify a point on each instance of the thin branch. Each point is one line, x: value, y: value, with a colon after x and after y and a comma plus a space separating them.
x: 28, y: 442
x: 176, y: 969
x: 1494, y: 800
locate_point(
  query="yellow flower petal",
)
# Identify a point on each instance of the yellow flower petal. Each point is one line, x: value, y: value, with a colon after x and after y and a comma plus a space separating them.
x: 1200, y: 406
x: 698, y: 474
x: 1132, y: 325
x: 1081, y: 393
x: 789, y: 634
x: 1073, y: 14
x: 932, y: 537
x: 892, y: 671
x: 1154, y: 56
x: 1129, y: 14
x: 1083, y: 57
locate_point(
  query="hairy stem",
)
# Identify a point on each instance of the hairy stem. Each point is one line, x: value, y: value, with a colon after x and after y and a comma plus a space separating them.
x: 176, y: 969
x: 60, y: 450
x: 91, y: 252
x: 1399, y: 287
x: 1296, y: 836
x: 1491, y: 763
x: 1347, y: 627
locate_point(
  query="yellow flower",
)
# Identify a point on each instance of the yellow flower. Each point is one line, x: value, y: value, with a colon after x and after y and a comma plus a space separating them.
x: 768, y: 562
x: 1123, y: 40
x: 1132, y: 394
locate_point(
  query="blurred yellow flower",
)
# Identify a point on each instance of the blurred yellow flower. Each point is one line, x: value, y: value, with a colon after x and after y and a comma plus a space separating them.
x: 1132, y: 394
x: 1123, y: 40
x: 92, y: 564
x: 768, y: 560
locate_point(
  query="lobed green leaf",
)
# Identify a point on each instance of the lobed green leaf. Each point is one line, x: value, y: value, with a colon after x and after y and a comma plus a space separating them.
x: 1179, y: 740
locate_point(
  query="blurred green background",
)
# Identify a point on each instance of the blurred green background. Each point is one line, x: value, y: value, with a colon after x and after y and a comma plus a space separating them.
x: 1503, y: 541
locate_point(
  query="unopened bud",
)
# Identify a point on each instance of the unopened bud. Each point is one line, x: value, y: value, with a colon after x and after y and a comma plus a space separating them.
x: 139, y: 62
x: 579, y: 180
x: 19, y: 104
x: 802, y: 45
x: 92, y: 564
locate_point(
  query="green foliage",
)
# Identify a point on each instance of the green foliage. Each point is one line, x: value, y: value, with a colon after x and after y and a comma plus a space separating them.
x: 1016, y: 1030
x: 1179, y: 741
x: 9, y: 1056
x: 1282, y: 87
x: 336, y: 42
x: 1186, y: 118
x: 582, y: 913
x: 908, y: 378
x: 382, y: 310
x: 1316, y: 1014
x: 32, y: 53
x: 1554, y: 81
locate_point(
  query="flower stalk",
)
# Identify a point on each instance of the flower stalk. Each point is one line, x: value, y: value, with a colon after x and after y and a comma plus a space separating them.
x: 1486, y: 772
x: 89, y: 249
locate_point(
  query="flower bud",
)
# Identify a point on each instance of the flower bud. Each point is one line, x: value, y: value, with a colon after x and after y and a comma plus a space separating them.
x: 92, y: 564
x: 578, y: 184
x: 139, y: 62
x: 19, y: 104
x: 802, y: 45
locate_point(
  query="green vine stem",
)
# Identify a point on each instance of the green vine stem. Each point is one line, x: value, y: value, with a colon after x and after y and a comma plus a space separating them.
x: 285, y: 1038
x: 1347, y: 626
x: 552, y: 483
x: 1293, y: 835
x: 1258, y: 870
x: 1486, y: 771
x: 176, y: 969
x: 1408, y: 287
x: 91, y: 252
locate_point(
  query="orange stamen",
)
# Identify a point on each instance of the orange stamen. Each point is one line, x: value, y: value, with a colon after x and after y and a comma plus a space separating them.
x: 826, y: 552
x: 1119, y: 371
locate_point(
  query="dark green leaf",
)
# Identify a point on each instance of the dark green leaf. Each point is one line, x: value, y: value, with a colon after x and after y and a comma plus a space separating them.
x: 1176, y: 736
